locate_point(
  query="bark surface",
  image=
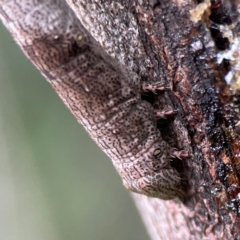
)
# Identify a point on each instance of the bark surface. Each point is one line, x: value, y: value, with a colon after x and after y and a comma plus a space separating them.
x: 192, y: 49
x: 186, y: 46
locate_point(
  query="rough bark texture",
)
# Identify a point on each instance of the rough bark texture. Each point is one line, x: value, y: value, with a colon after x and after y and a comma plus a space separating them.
x: 184, y: 48
x: 179, y: 45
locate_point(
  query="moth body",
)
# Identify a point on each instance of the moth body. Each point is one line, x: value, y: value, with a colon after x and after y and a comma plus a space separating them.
x: 104, y: 97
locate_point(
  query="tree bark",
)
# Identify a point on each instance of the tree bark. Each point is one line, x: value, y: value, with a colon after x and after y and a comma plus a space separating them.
x: 192, y: 49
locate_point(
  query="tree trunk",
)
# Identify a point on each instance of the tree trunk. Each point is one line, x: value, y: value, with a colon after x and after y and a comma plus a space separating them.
x: 192, y: 50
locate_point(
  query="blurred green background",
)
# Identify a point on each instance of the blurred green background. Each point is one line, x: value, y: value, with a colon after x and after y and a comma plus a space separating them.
x: 55, y: 183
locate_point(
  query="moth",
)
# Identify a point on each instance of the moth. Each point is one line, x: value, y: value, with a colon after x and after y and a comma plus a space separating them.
x: 103, y: 96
